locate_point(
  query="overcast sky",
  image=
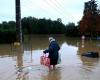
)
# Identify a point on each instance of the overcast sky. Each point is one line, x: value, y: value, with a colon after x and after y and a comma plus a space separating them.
x: 67, y: 10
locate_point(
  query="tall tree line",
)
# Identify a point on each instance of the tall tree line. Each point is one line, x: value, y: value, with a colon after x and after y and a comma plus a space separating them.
x: 32, y: 25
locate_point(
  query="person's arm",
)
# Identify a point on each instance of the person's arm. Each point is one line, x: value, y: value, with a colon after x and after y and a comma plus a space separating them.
x: 48, y: 50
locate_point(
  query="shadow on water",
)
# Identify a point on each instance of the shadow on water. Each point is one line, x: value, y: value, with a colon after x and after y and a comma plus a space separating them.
x: 24, y: 62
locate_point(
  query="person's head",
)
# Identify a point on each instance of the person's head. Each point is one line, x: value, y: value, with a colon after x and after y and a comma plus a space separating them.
x: 51, y: 39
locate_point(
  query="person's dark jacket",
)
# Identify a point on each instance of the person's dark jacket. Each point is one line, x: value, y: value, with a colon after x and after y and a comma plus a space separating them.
x: 53, y: 52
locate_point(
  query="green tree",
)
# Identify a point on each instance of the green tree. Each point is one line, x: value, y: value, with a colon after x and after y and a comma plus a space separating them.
x: 71, y: 30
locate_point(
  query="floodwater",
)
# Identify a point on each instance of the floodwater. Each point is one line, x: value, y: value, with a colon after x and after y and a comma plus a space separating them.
x: 23, y: 62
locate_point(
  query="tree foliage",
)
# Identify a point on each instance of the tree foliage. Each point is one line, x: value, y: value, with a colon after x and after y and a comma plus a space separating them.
x: 33, y: 25
x: 89, y: 25
x: 72, y: 30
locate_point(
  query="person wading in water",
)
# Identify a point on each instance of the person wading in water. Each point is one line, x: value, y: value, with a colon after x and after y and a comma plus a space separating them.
x: 53, y: 51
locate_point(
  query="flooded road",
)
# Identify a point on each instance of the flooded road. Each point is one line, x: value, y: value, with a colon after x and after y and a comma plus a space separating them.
x: 23, y: 62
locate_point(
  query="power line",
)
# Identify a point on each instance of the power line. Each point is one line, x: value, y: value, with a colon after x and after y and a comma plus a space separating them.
x: 59, y: 10
x: 38, y: 5
x: 55, y: 8
x: 60, y: 6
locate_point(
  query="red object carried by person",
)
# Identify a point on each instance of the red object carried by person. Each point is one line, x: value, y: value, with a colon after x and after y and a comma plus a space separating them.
x: 44, y: 60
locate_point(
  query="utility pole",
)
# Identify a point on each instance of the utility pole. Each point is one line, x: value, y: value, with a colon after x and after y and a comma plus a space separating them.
x: 18, y: 22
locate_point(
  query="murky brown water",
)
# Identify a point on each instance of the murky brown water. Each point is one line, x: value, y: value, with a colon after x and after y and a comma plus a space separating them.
x: 23, y: 63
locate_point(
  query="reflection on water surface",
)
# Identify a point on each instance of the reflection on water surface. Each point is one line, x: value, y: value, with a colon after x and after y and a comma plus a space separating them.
x: 23, y: 63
